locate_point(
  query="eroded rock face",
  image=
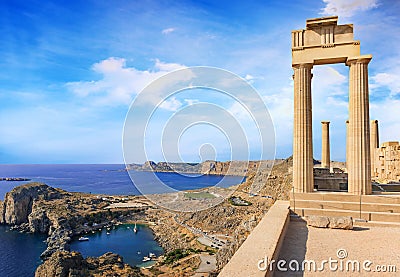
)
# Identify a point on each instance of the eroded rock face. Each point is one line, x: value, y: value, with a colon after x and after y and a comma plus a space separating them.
x: 72, y: 264
x: 18, y: 202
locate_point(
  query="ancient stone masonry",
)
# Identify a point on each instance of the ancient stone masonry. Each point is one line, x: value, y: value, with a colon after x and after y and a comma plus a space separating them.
x: 325, y: 42
x: 387, y: 162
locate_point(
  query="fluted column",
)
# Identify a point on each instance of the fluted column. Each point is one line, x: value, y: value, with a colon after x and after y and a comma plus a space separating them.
x: 374, y: 144
x: 303, y: 178
x: 347, y: 145
x: 359, y: 167
x: 325, y: 149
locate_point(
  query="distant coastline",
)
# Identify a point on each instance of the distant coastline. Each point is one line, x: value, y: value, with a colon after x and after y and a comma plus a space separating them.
x: 227, y: 168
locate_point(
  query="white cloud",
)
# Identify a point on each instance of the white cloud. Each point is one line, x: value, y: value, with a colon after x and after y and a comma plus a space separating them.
x: 168, y: 31
x: 249, y: 77
x: 119, y: 83
x: 389, y: 80
x: 171, y: 104
x: 167, y: 66
x: 190, y: 102
x: 347, y: 8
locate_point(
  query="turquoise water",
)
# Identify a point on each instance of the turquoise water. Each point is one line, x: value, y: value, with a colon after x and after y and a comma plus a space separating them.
x: 19, y: 253
x: 122, y: 240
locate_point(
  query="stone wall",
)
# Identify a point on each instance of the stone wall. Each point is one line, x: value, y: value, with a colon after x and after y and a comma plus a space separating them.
x: 386, y: 166
x: 334, y: 180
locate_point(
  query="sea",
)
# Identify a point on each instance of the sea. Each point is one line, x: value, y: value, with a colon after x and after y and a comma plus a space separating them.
x: 19, y: 252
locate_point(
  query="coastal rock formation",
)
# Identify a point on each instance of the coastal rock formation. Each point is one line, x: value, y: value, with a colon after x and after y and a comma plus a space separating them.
x: 238, y: 168
x: 38, y: 208
x: 18, y: 202
x: 72, y: 264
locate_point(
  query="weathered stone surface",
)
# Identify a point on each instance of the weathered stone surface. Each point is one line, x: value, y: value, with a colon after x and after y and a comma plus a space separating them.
x: 66, y: 264
x: 18, y: 202
x: 334, y: 222
x: 342, y: 222
x: 317, y: 221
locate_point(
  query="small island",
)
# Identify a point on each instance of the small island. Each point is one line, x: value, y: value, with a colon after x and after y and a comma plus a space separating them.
x: 14, y: 179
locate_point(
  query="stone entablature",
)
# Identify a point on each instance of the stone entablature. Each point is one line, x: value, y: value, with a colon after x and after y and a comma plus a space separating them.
x: 387, y: 162
x: 324, y: 41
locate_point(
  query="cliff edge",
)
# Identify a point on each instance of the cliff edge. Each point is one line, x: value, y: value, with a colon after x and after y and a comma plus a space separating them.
x: 72, y: 264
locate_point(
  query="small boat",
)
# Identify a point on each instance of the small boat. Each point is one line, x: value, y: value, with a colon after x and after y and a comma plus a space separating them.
x: 108, y: 233
x: 152, y: 255
x: 139, y: 252
x: 83, y: 239
x: 146, y: 259
x: 135, y: 229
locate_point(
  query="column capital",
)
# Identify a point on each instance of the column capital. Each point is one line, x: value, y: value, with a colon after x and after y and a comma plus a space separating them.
x: 325, y: 122
x: 365, y: 59
x: 303, y: 65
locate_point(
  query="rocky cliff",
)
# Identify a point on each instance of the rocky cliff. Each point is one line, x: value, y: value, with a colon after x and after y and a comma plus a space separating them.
x: 38, y: 208
x: 18, y: 202
x: 72, y: 264
x: 238, y: 168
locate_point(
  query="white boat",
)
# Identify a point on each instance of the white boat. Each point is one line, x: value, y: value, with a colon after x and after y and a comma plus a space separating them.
x: 135, y: 229
x: 152, y: 255
x: 146, y: 259
x: 83, y: 239
x: 108, y: 233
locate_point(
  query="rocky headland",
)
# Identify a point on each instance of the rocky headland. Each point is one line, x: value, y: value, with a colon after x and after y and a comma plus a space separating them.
x: 39, y: 208
x: 216, y: 232
x: 72, y: 264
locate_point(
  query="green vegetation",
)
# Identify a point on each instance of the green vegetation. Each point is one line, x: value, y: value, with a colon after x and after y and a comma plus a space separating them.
x: 199, y: 195
x: 176, y: 255
x: 237, y: 201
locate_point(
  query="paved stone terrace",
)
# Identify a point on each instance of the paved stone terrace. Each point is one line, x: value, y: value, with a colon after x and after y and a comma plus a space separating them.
x: 381, y: 245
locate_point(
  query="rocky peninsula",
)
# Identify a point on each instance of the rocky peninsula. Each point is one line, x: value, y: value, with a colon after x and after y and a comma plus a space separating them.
x: 190, y: 239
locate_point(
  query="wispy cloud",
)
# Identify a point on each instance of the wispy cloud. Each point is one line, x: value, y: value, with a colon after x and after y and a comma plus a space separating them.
x: 168, y: 31
x: 171, y: 104
x: 388, y: 80
x: 347, y: 8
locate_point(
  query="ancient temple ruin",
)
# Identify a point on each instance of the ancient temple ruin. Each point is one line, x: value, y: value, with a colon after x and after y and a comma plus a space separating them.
x: 325, y: 42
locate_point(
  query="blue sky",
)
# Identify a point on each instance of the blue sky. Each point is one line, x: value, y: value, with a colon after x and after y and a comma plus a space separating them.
x: 71, y: 69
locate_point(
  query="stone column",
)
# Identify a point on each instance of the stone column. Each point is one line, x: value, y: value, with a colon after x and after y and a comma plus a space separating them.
x: 325, y: 149
x: 374, y: 145
x: 347, y: 145
x: 303, y: 177
x: 359, y: 167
